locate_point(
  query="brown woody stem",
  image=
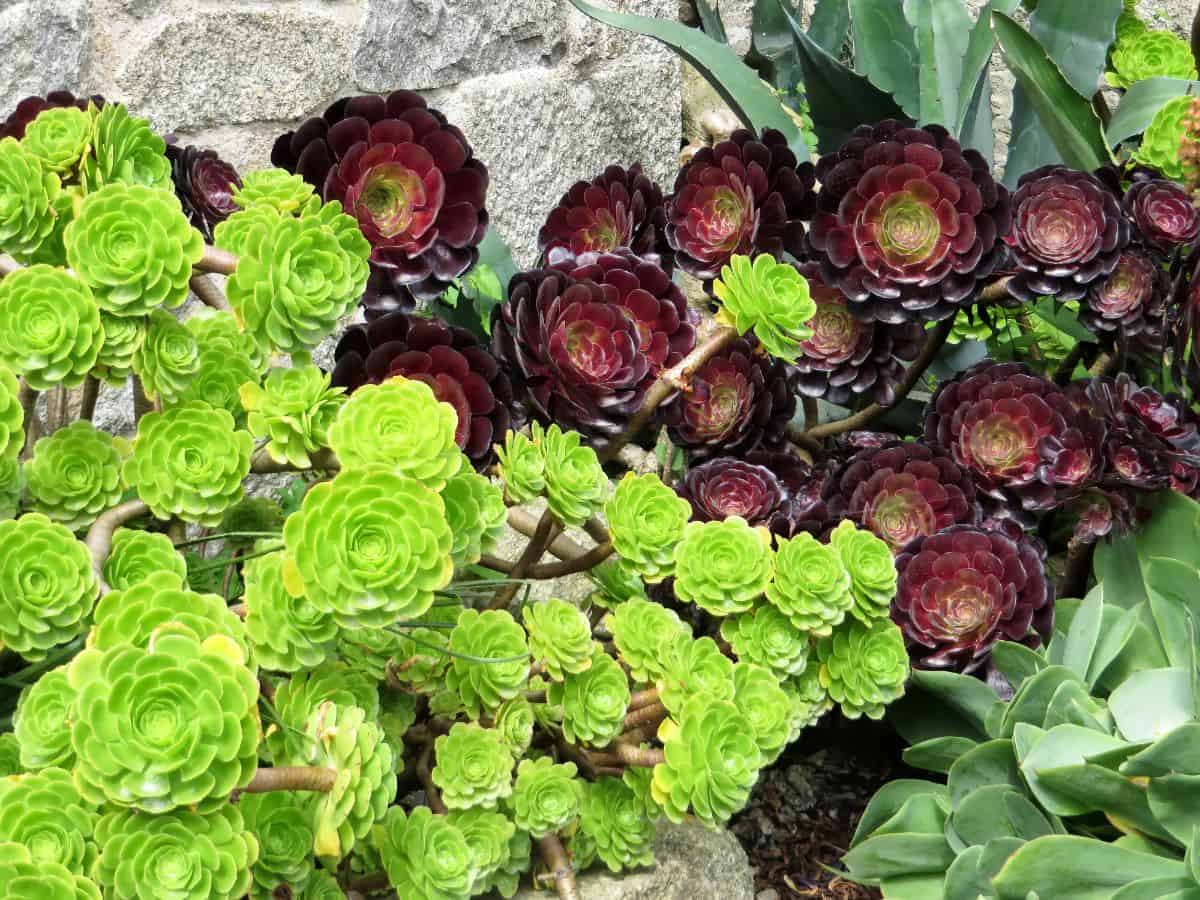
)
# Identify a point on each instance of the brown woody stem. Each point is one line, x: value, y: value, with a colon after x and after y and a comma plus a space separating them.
x: 33, y: 425
x: 425, y: 775
x: 210, y: 295
x: 88, y: 397
x: 526, y: 523
x: 543, y: 535
x: 222, y: 262
x: 554, y: 855
x: 292, y: 778
x: 100, y: 535
x: 322, y: 460
x: 628, y: 755
x: 645, y: 716
x: 643, y: 698
x: 591, y: 559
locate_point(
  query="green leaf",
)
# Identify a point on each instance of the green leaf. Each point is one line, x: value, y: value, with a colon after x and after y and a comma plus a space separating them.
x: 1159, y: 889
x: 968, y: 696
x: 897, y: 855
x: 1066, y: 745
x: 772, y: 50
x: 710, y: 21
x: 738, y: 85
x: 919, y: 814
x: 988, y: 764
x: 1068, y: 117
x: 938, y: 754
x: 1139, y: 104
x: 1077, y: 37
x: 1174, y: 588
x: 1030, y: 703
x: 943, y: 31
x: 829, y: 25
x: 1175, y: 801
x: 1062, y: 319
x: 1173, y: 529
x: 1084, y: 634
x: 1152, y: 703
x: 1072, y: 705
x: 1115, y: 634
x: 839, y: 98
x: 997, y: 811
x: 889, y: 799
x: 1102, y: 790
x: 970, y: 876
x: 1177, y: 751
x: 913, y: 887
x: 1016, y: 662
x: 885, y: 50
x: 977, y: 131
x: 1079, y: 868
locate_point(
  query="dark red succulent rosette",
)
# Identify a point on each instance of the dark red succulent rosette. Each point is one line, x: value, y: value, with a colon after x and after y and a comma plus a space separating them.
x: 1068, y: 232
x: 1131, y: 299
x: 407, y: 176
x: 618, y: 209
x: 450, y: 360
x: 1163, y: 213
x: 741, y: 400
x: 963, y: 589
x: 907, y: 222
x: 28, y: 109
x: 902, y: 492
x: 725, y: 486
x: 847, y: 356
x: 1019, y: 435
x: 584, y: 340
x: 747, y: 195
x: 204, y: 184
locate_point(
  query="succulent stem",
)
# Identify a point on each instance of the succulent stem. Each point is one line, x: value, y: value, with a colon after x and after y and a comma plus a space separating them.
x: 100, y: 535
x: 554, y: 855
x: 216, y: 260
x: 292, y: 778
x: 425, y: 774
x: 547, y: 529
x: 28, y: 399
x: 627, y: 754
x: 646, y: 715
x: 643, y: 698
x: 209, y: 294
x: 88, y: 397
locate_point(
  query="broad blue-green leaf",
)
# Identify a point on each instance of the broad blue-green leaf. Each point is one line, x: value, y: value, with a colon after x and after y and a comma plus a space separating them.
x: 889, y: 799
x: 968, y: 696
x: 913, y: 887
x: 898, y: 855
x: 1175, y: 800
x: 1173, y: 530
x: 1160, y: 889
x: 773, y: 52
x: 1079, y: 868
x: 1077, y: 37
x: 1115, y: 565
x: 1066, y: 745
x: 1016, y: 662
x: 943, y: 35
x: 1061, y: 317
x: 1084, y: 634
x: 1073, y: 705
x: 970, y: 875
x: 710, y: 21
x: 988, y: 764
x: 829, y: 25
x: 937, y: 754
x: 919, y: 814
x: 886, y: 52
x: 1030, y: 703
x: 1176, y: 751
x: 738, y: 85
x: 1153, y: 703
x: 1067, y: 116
x: 997, y: 811
x: 1116, y: 631
x: 1174, y: 588
x: 978, y: 128
x: 1098, y: 789
x: 1139, y: 104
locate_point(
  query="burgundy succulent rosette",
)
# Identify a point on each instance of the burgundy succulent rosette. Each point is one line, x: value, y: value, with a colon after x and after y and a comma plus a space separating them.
x: 963, y: 589
x: 772, y: 488
x: 1131, y: 299
x: 204, y: 184
x: 28, y: 109
x: 1163, y: 213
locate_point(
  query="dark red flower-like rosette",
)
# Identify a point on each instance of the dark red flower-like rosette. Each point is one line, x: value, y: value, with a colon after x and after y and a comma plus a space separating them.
x: 1162, y: 212
x: 725, y: 487
x: 1131, y: 299
x: 204, y: 184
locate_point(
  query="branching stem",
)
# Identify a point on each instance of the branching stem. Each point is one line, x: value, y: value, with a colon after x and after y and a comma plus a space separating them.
x: 554, y: 855
x: 100, y: 535
x: 292, y: 778
x: 210, y: 295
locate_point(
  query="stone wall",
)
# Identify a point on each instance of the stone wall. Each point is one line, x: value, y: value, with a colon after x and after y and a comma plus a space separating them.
x: 545, y: 95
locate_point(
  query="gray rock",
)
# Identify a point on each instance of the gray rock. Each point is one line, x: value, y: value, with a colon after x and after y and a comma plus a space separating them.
x: 45, y: 43
x: 694, y: 863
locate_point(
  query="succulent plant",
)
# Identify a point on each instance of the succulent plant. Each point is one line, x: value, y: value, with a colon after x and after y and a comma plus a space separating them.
x: 612, y: 815
x: 407, y: 176
x: 808, y: 701
x: 28, y: 193
x: 1143, y: 54
x: 1160, y: 147
x: 188, y: 461
x: 770, y: 298
x: 474, y: 767
x: 546, y: 797
x: 746, y: 195
x: 711, y: 762
x: 275, y: 189
x: 204, y: 184
x: 863, y: 666
x: 868, y: 559
x: 10, y: 755
x: 168, y: 358
x: 136, y: 555
x: 560, y: 637
x: 371, y: 546
x: 575, y: 483
x: 725, y: 486
x: 489, y: 835
x: 74, y: 475
x: 122, y: 336
x: 476, y: 514
x: 59, y: 137
x: 186, y: 723
x: 514, y: 722
x: 425, y: 855
x: 133, y: 246
x: 31, y: 107
x: 740, y: 400
x: 693, y: 667
x: 26, y: 879
x: 757, y: 693
x: 282, y: 824
x: 12, y: 416
x: 50, y: 332
x: 43, y: 811
x: 619, y: 208
x: 1162, y: 212
x: 766, y: 637
x: 722, y: 567
x: 299, y: 697
x: 47, y: 586
x: 811, y: 585
x: 903, y: 491
x: 594, y: 701
x: 493, y: 636
x: 293, y: 410
x: 642, y: 631
x: 126, y: 150
x: 42, y: 722
x: 1130, y: 299
x: 287, y: 633
x: 1067, y: 232
x: 906, y: 222
x: 646, y: 519
x: 177, y: 855
x: 963, y: 589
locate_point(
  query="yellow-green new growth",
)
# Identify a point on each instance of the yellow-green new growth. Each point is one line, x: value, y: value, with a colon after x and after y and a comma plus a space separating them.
x: 643, y: 631
x: 769, y: 298
x: 489, y: 659
x: 612, y: 815
x: 287, y: 633
x: 75, y: 474
x: 43, y: 811
x: 474, y: 767
x: 282, y: 824
x: 42, y: 722
x: 594, y: 702
x: 12, y: 416
x: 293, y: 410
x: 123, y: 335
x: 767, y: 637
x: 26, y: 879
x: 694, y: 667
x: 50, y: 330
x: 760, y: 697
x: 723, y: 567
x: 59, y: 137
x: 476, y: 512
x: 1141, y: 54
x: 575, y: 483
x: 560, y: 637
x: 646, y: 519
x: 276, y: 189
x: 810, y: 585
x: 167, y: 359
x: 125, y: 149
x: 864, y: 666
x: 137, y: 555
x: 425, y: 856
x: 872, y: 569
x: 546, y: 797
x: 522, y: 468
x: 28, y: 194
x: 1163, y: 137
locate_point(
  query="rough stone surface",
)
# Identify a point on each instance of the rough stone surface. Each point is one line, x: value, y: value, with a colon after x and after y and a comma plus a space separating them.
x: 45, y: 44
x: 694, y: 863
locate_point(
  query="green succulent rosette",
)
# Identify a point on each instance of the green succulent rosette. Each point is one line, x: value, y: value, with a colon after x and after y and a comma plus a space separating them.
x: 282, y: 824
x: 293, y: 411
x: 581, y: 848
x: 643, y: 631
x: 399, y: 424
x: 575, y: 483
x: 640, y: 780
x: 489, y: 659
x: 168, y: 358
x: 47, y: 586
x: 11, y: 486
x: 295, y: 282
x: 286, y: 633
x: 967, y: 327
x: 28, y: 193
x: 771, y: 299
x: 723, y: 567
x: 872, y: 570
x: 137, y: 555
x: 24, y: 878
x: 560, y: 637
x: 297, y: 698
x: 616, y: 581
x: 397, y: 713
x: 177, y: 855
x: 864, y: 666
x: 811, y: 585
x: 594, y: 702
x: 160, y: 602
x: 762, y: 700
x: 646, y: 519
x: 369, y: 650
x: 694, y: 667
x: 75, y: 474
x: 711, y: 762
x: 476, y: 513
x: 50, y: 330
x: 514, y: 723
x: 218, y: 381
x: 1139, y: 55
x: 613, y: 816
x: 216, y: 328
x: 123, y: 336
x: 766, y: 637
x: 171, y: 725
x: 490, y: 837
x: 42, y: 722
x: 10, y: 755
x: 1129, y: 25
x: 425, y: 856
x: 59, y: 137
x: 43, y: 811
x: 321, y: 885
x: 52, y: 251
x: 344, y: 739
x: 474, y: 767
x: 370, y: 547
x: 276, y: 189
x: 244, y: 232
x: 125, y: 149
x: 506, y: 879
x: 522, y: 468
x: 807, y: 699
x: 134, y: 248
x: 546, y: 797
x: 12, y: 416
x: 1163, y: 137
x: 422, y: 666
